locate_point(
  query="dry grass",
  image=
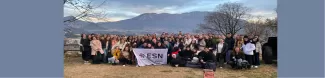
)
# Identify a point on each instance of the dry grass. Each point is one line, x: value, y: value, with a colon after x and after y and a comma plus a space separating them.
x: 74, y: 68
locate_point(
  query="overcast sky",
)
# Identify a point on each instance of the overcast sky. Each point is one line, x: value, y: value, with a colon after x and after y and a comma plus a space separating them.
x: 124, y: 9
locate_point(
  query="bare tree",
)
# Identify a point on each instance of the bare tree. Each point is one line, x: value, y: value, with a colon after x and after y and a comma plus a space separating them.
x: 228, y: 18
x: 85, y: 8
x: 272, y: 24
x: 264, y: 28
x: 255, y: 27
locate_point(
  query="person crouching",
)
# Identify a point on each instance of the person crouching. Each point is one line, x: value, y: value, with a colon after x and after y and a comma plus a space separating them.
x: 238, y: 59
x: 176, y: 61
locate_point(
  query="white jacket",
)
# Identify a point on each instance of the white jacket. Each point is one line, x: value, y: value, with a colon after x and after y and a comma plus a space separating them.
x: 188, y: 41
x: 258, y: 47
x: 249, y: 48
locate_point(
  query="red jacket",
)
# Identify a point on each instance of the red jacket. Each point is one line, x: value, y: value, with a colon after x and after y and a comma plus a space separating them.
x: 175, y: 52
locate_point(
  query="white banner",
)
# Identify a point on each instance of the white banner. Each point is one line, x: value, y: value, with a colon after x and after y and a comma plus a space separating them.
x: 150, y: 56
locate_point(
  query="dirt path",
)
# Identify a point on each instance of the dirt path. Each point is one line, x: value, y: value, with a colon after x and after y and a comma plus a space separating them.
x: 73, y: 68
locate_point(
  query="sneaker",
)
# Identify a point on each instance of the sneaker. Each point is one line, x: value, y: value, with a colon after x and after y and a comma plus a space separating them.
x: 88, y: 62
x: 123, y: 65
x: 255, y: 66
x: 220, y: 67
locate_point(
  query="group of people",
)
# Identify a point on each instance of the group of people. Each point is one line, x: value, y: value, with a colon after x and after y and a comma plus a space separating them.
x: 183, y: 49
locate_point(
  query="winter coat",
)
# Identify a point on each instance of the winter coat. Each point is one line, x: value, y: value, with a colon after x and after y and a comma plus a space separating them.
x: 230, y: 42
x: 95, y: 47
x: 248, y: 48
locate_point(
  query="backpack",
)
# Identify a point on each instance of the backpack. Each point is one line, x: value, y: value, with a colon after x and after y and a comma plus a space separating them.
x: 240, y: 64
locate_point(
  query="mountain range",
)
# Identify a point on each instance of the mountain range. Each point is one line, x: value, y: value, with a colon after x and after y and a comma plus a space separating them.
x: 144, y: 23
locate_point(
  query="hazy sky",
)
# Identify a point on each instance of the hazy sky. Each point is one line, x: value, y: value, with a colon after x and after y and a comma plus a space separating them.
x: 124, y: 9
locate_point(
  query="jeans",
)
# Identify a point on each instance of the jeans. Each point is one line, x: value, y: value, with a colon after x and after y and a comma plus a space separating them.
x: 111, y: 60
x: 256, y: 57
x: 105, y: 54
x: 228, y: 55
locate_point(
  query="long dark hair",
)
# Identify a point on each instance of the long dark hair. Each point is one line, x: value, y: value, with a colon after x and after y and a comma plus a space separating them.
x: 257, y: 40
x: 82, y: 36
x: 90, y: 37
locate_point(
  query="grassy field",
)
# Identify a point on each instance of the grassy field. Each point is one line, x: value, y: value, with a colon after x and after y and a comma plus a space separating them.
x: 74, y: 68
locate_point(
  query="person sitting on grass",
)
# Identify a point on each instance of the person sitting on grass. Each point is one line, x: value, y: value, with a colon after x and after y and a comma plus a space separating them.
x: 237, y: 57
x: 187, y: 54
x: 116, y: 54
x: 206, y: 57
x: 126, y: 56
x: 110, y: 58
x: 177, y: 61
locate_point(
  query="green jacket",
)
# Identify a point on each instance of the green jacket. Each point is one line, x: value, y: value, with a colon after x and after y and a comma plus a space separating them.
x: 215, y: 40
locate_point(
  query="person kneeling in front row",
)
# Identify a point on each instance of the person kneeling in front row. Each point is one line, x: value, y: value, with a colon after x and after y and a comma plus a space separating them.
x: 207, y: 59
x: 177, y: 61
x: 238, y: 59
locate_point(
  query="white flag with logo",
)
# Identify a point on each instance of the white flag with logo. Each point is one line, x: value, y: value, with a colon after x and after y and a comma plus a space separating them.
x: 150, y: 56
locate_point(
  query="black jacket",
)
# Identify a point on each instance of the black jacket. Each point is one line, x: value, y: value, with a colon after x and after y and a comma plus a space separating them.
x: 230, y: 42
x: 103, y: 42
x: 187, y: 54
x: 207, y: 56
x: 240, y: 55
x: 224, y: 48
x: 86, y: 44
x: 208, y: 42
x: 109, y: 45
x: 177, y: 60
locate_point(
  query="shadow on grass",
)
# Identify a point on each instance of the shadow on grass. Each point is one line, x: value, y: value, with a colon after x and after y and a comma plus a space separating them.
x: 166, y: 71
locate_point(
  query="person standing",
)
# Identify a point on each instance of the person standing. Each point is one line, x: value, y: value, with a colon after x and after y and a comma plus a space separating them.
x: 208, y: 41
x: 220, y: 50
x: 257, y: 52
x: 103, y: 41
x: 230, y: 41
x: 188, y: 40
x: 239, y: 41
x: 202, y: 43
x: 248, y: 49
x: 160, y: 46
x: 114, y: 42
x: 96, y: 50
x: 86, y: 49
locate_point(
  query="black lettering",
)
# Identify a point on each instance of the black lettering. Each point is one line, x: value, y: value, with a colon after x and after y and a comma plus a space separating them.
x: 148, y: 55
x: 154, y: 55
x: 160, y: 55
